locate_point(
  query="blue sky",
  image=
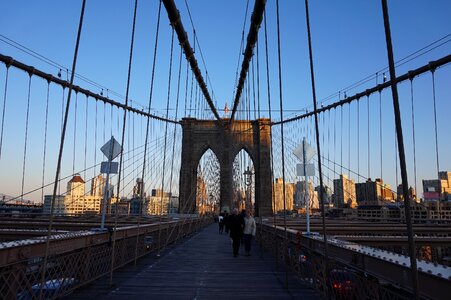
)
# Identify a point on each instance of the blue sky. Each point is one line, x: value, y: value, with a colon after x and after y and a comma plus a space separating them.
x: 348, y: 45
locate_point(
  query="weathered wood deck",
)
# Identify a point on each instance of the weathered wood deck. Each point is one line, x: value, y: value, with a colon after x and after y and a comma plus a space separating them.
x: 201, y: 267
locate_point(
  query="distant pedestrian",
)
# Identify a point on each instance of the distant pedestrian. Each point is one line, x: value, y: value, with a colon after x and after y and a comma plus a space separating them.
x: 236, y: 225
x: 226, y: 222
x: 221, y: 224
x: 248, y: 232
x: 242, y: 215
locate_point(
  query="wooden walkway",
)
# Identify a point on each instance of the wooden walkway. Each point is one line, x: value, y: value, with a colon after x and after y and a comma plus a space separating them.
x: 201, y: 267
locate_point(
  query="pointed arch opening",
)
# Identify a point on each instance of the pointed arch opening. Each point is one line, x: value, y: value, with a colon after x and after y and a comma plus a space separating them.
x: 208, y: 183
x: 244, y: 181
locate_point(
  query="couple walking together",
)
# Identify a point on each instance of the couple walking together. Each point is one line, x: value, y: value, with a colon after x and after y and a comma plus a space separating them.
x: 241, y: 226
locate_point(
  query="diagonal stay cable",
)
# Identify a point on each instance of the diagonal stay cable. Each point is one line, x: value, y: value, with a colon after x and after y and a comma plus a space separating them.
x: 60, y: 154
x: 123, y: 138
x: 175, y: 19
x: 256, y: 19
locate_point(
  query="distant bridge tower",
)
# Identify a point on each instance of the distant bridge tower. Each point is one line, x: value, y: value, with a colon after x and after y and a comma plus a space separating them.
x: 226, y: 141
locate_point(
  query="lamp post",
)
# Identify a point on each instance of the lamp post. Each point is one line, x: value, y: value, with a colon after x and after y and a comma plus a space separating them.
x: 248, y: 182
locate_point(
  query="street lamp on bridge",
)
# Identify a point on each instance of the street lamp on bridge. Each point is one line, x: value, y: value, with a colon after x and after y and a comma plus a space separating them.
x: 248, y: 182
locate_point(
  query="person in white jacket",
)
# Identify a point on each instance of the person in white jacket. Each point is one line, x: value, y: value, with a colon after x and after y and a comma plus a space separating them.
x: 248, y: 232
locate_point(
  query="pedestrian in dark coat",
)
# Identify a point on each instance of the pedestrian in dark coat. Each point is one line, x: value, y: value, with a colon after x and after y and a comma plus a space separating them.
x: 226, y: 222
x: 236, y: 225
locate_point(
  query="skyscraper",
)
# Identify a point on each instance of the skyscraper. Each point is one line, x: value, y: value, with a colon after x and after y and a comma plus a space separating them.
x: 344, y: 192
x: 278, y: 195
x: 98, y: 186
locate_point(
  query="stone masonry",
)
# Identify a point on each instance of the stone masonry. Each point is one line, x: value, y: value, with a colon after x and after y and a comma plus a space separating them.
x: 226, y: 141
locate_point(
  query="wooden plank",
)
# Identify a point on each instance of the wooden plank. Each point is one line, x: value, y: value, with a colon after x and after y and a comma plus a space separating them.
x: 202, y: 267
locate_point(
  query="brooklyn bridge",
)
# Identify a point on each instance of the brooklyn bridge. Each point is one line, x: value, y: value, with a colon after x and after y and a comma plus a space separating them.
x: 108, y: 194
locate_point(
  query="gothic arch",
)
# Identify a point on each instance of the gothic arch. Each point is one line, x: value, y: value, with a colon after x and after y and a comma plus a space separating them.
x: 226, y: 140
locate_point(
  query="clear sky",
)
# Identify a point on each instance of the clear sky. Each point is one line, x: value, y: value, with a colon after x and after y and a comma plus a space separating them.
x: 348, y: 45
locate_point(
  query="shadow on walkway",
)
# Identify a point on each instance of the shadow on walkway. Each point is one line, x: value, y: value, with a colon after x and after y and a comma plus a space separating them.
x: 201, y: 267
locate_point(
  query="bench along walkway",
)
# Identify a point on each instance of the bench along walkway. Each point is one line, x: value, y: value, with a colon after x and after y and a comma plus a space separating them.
x: 201, y: 267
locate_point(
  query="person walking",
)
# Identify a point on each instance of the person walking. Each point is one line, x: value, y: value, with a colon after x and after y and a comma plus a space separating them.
x: 248, y: 232
x: 221, y: 224
x: 236, y: 225
x: 226, y: 222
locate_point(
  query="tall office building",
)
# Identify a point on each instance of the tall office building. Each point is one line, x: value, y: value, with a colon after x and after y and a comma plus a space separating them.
x: 138, y: 189
x: 278, y: 195
x: 98, y: 186
x: 299, y: 195
x: 344, y: 192
x: 438, y: 189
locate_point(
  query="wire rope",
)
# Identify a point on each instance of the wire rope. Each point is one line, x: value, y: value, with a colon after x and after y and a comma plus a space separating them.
x: 60, y: 154
x: 86, y: 135
x: 26, y: 134
x: 435, y: 121
x: 45, y: 138
x: 165, y: 140
x: 317, y: 138
x: 75, y: 133
x: 413, y: 136
x: 380, y: 132
x: 4, y: 108
x: 369, y: 153
x: 123, y: 137
x: 281, y: 131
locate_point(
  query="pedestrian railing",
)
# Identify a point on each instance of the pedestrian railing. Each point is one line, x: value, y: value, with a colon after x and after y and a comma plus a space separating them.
x: 351, y: 271
x: 77, y: 258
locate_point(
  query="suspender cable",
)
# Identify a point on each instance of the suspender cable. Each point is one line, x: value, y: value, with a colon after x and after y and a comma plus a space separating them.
x: 240, y: 52
x: 321, y: 194
x: 186, y: 87
x: 26, y: 135
x: 358, y: 139
x: 258, y: 80
x: 45, y: 140
x: 60, y: 153
x: 62, y: 109
x: 369, y: 152
x: 65, y: 84
x: 423, y: 69
x: 380, y: 131
x: 176, y: 114
x: 253, y: 91
x: 4, y: 108
x: 111, y: 120
x: 413, y: 136
x: 95, y: 140
x: 86, y: 135
x: 157, y: 30
x: 124, y: 123
x: 75, y: 133
x: 281, y: 135
x: 165, y: 142
x: 349, y: 140
x: 191, y: 95
x: 335, y: 137
x: 328, y: 145
x: 402, y: 159
x: 256, y: 19
x: 104, y: 121
x: 341, y: 139
x: 435, y: 120
x: 268, y: 89
x: 175, y: 19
